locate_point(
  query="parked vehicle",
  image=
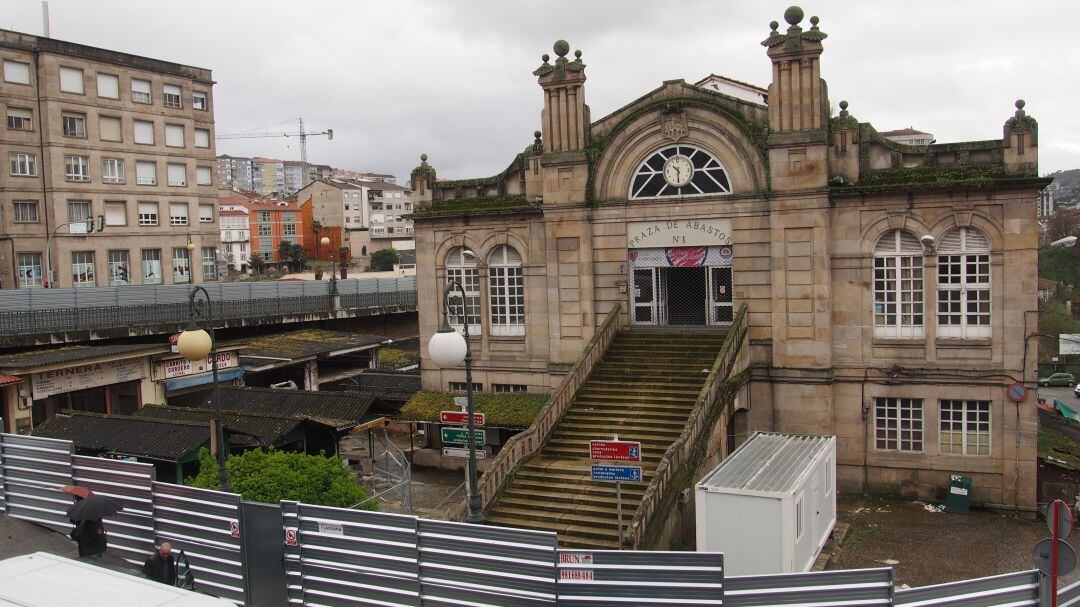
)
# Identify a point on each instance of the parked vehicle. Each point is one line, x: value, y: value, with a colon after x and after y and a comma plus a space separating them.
x: 1058, y: 379
x: 1076, y: 390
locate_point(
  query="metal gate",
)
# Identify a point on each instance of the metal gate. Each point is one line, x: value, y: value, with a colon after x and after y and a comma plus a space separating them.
x: 689, y: 286
x: 34, y: 469
x: 131, y: 531
x: 615, y: 578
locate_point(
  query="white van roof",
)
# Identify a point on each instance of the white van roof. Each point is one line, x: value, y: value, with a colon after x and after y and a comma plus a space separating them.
x: 45, y: 580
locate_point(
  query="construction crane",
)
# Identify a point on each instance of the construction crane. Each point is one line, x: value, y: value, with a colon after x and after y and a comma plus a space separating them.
x: 301, y: 133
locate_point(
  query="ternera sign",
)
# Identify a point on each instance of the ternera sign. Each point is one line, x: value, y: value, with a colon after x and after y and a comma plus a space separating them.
x: 678, y: 233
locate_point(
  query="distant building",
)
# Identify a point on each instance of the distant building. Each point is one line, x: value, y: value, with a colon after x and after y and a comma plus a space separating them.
x: 909, y: 136
x: 371, y: 213
x: 1046, y: 207
x: 235, y: 238
x: 389, y: 204
x: 234, y: 173
x: 734, y: 88
x: 268, y: 176
x: 271, y: 224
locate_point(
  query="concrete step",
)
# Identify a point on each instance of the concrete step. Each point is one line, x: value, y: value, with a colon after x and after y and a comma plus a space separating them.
x: 618, y: 421
x: 562, y: 507
x: 583, y: 498
x: 570, y: 536
x: 595, y: 394
x: 621, y: 387
x: 581, y: 489
x: 567, y: 519
x: 631, y: 430
x: 671, y: 408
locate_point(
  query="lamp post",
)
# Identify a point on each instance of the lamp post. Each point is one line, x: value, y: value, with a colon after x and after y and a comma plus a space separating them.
x: 448, y: 348
x: 325, y: 241
x: 196, y: 344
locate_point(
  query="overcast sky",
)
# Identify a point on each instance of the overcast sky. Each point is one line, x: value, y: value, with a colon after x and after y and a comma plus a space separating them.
x: 453, y: 78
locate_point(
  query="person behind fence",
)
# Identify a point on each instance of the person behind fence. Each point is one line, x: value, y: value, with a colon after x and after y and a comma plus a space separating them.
x: 90, y: 537
x: 161, y: 567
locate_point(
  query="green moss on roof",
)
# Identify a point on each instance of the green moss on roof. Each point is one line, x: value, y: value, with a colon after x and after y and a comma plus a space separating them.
x: 932, y: 174
x: 502, y: 410
x: 478, y: 206
x: 397, y: 357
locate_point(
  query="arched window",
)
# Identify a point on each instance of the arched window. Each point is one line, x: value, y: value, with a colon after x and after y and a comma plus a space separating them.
x: 462, y: 266
x: 680, y: 170
x: 963, y: 284
x: 898, y: 286
x: 506, y: 292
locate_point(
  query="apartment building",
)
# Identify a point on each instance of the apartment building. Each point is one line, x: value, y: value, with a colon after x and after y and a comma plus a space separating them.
x: 91, y: 133
x: 267, y: 176
x: 235, y: 238
x: 389, y: 204
x: 234, y: 172
x: 271, y: 224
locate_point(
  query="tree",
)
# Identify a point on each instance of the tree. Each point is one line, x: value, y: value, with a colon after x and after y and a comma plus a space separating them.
x: 1065, y: 223
x: 271, y: 476
x: 292, y: 253
x: 256, y: 263
x: 384, y: 259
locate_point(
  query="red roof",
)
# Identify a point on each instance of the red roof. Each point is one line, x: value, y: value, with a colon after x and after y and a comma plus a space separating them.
x: 231, y: 213
x: 7, y: 380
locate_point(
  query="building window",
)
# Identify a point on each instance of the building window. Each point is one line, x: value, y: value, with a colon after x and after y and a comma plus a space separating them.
x: 140, y: 91
x: 25, y: 211
x: 77, y: 168
x: 178, y: 213
x: 203, y: 176
x: 462, y: 266
x: 119, y: 266
x: 71, y: 80
x: 78, y: 211
x: 115, y: 213
x: 174, y: 135
x: 112, y: 170
x: 264, y: 216
x: 148, y: 214
x: 679, y: 170
x: 198, y: 100
x: 898, y: 424
x: 288, y: 229
x: 181, y: 265
x: 151, y: 266
x: 109, y: 129
x: 206, y: 213
x: 177, y: 174
x: 408, y: 206
x: 145, y: 173
x: 29, y: 268
x: 74, y: 124
x: 460, y: 386
x: 19, y: 119
x: 267, y: 255
x: 82, y: 268
x: 202, y: 138
x: 209, y: 263
x: 965, y: 427
x: 264, y: 229
x: 144, y: 132
x: 16, y: 72
x: 898, y: 286
x: 506, y: 292
x: 171, y: 95
x: 108, y: 86
x: 509, y: 388
x: 963, y: 285
x: 24, y: 165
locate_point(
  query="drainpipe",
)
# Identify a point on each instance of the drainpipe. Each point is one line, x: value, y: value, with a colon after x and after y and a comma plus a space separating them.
x: 14, y: 266
x: 41, y: 165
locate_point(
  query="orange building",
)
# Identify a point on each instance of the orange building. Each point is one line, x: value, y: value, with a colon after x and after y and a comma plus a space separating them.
x: 314, y: 248
x: 273, y: 223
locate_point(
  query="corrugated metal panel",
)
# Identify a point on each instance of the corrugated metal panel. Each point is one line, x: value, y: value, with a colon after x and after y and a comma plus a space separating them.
x: 200, y: 522
x: 1009, y: 590
x: 1069, y: 596
x: 478, y: 565
x: 767, y: 462
x: 34, y: 469
x: 850, y: 588
x: 347, y: 557
x: 616, y: 578
x: 131, y: 532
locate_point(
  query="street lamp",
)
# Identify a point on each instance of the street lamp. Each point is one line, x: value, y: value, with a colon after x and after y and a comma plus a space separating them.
x: 325, y: 241
x: 197, y: 344
x: 448, y: 348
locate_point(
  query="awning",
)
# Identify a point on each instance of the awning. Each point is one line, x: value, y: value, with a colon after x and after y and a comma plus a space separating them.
x: 7, y: 380
x: 200, y: 379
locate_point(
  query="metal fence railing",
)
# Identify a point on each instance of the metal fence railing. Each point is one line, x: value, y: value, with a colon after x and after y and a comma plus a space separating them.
x: 336, y: 556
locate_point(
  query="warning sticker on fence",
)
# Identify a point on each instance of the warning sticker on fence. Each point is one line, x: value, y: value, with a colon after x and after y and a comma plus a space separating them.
x: 576, y: 558
x: 576, y: 575
x: 331, y: 528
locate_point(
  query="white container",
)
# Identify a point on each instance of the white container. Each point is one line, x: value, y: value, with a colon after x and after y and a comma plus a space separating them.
x: 771, y: 505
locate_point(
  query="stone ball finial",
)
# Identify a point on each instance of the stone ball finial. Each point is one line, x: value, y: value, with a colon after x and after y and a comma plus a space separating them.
x: 814, y: 20
x: 545, y: 57
x: 423, y: 157
x: 843, y: 105
x: 1020, y: 104
x: 561, y: 48
x: 774, y: 25
x: 577, y: 54
x: 537, y: 134
x: 793, y: 15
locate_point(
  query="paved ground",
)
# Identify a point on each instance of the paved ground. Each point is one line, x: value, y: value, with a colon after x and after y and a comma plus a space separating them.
x: 20, y: 537
x: 931, y: 548
x: 1061, y: 393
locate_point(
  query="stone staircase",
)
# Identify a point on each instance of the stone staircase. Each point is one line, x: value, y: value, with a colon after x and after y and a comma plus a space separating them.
x: 642, y: 390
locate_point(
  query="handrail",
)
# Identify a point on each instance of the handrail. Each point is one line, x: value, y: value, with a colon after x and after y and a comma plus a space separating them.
x: 680, y: 453
x: 524, y: 445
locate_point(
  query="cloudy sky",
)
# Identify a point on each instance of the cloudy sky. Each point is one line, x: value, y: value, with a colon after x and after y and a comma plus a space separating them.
x: 453, y: 78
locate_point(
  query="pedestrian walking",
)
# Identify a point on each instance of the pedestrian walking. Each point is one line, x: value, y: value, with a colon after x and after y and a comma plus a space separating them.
x: 161, y: 567
x: 91, y: 537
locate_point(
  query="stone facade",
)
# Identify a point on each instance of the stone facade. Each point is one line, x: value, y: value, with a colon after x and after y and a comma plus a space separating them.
x: 110, y: 135
x: 891, y: 289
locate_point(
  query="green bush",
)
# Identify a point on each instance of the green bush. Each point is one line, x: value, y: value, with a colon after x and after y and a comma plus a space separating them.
x: 271, y: 476
x: 383, y: 260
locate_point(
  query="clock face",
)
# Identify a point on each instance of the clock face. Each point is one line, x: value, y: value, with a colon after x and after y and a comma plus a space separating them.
x: 678, y: 170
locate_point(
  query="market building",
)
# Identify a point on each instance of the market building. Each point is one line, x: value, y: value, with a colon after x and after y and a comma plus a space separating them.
x: 890, y: 289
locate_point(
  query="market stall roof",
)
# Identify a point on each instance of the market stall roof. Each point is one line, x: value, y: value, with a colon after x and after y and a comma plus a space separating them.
x: 502, y: 410
x: 167, y: 441
x: 295, y: 346
x: 39, y: 357
x: 389, y: 388
x: 7, y: 380
x: 244, y: 429
x: 339, y: 410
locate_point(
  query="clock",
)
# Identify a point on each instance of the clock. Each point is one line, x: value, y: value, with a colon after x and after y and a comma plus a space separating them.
x: 678, y: 170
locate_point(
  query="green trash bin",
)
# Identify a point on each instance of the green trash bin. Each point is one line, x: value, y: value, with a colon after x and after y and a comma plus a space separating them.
x: 958, y: 498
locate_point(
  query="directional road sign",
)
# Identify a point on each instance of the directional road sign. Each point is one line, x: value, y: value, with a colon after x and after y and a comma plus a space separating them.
x: 615, y: 450
x: 619, y: 474
x: 462, y: 452
x: 461, y: 436
x: 460, y: 417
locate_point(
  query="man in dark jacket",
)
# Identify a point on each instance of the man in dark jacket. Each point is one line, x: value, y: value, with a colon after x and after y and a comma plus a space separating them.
x: 161, y: 567
x: 91, y: 538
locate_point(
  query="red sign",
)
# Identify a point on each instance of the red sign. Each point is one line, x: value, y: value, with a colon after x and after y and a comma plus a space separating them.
x: 1016, y: 393
x: 290, y: 537
x: 615, y: 450
x: 234, y: 528
x: 460, y: 417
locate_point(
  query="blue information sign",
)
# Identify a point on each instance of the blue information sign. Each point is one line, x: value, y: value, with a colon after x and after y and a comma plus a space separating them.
x: 624, y: 474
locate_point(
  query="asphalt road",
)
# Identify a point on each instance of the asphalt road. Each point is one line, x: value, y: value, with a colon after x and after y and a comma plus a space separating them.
x: 1061, y: 393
